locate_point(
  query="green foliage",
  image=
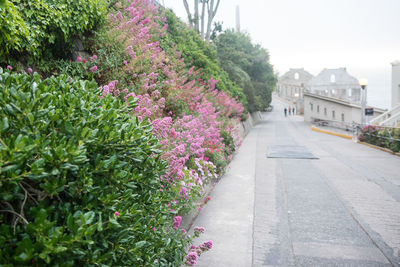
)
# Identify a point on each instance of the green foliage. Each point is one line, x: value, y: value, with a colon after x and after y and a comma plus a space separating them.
x: 13, y: 30
x: 47, y: 27
x: 383, y: 137
x: 248, y: 66
x: 69, y: 160
x: 198, y: 54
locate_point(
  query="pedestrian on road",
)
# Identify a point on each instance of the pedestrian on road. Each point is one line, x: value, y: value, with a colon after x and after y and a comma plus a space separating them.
x: 285, y: 110
x: 293, y: 111
x: 290, y: 111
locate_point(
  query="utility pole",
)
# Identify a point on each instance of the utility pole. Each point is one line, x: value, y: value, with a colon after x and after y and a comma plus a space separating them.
x: 237, y: 19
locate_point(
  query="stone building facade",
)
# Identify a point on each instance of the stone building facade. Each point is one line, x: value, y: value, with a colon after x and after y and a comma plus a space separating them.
x: 292, y: 84
x: 336, y: 83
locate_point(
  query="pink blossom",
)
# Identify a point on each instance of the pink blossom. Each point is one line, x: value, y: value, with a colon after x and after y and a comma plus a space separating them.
x: 116, y: 213
x: 125, y: 62
x: 93, y: 58
x: 9, y: 67
x: 183, y: 231
x: 93, y: 69
x: 177, y: 221
x: 199, y: 230
x: 206, y: 245
x: 78, y: 59
x: 191, y: 258
x: 30, y: 70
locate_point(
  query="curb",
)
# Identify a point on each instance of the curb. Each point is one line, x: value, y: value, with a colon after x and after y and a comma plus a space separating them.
x: 379, y: 148
x: 188, y: 219
x: 331, y: 133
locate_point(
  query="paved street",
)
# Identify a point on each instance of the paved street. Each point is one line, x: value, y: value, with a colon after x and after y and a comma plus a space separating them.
x: 342, y: 209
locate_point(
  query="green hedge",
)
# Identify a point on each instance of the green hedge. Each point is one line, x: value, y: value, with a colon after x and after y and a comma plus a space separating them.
x: 13, y: 29
x: 79, y: 179
x: 197, y: 53
x: 381, y: 136
x: 46, y: 27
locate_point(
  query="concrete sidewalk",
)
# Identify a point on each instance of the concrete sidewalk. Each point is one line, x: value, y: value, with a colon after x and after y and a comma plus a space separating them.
x: 228, y: 216
x: 342, y: 209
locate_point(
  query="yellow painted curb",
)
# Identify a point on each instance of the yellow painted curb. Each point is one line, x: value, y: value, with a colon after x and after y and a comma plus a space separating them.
x: 379, y: 148
x: 331, y: 133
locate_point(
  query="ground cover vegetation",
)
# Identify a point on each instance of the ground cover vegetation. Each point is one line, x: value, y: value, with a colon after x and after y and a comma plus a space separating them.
x: 101, y: 155
x: 381, y: 136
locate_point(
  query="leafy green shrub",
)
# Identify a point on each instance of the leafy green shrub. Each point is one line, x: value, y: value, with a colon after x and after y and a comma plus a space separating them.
x: 198, y: 54
x: 51, y: 24
x: 13, y: 30
x: 247, y: 65
x: 79, y: 179
x: 381, y: 136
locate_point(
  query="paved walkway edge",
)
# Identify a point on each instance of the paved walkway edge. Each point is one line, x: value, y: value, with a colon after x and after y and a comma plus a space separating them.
x: 331, y: 133
x: 379, y: 148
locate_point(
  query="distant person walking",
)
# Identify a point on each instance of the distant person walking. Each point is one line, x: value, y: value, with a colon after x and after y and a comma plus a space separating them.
x: 293, y: 111
x: 290, y: 111
x: 285, y: 110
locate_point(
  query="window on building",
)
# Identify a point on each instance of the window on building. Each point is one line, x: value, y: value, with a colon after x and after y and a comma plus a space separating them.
x: 318, y: 109
x: 350, y: 92
x: 333, y: 91
x: 325, y: 112
x: 333, y: 114
x: 342, y: 116
x: 333, y: 78
x: 311, y: 106
x: 296, y: 76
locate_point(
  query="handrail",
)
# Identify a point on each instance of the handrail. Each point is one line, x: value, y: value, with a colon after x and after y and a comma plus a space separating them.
x: 387, y: 116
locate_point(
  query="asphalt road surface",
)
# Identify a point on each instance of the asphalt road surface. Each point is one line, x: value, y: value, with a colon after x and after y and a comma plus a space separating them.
x: 342, y: 209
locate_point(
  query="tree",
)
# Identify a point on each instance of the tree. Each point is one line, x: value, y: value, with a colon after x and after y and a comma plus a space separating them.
x: 248, y: 66
x: 196, y: 19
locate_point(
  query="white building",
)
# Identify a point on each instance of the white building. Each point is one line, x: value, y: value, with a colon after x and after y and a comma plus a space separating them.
x: 342, y: 112
x: 336, y: 83
x: 395, y: 83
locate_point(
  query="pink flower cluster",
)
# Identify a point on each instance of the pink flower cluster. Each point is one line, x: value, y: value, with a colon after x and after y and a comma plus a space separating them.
x: 177, y: 221
x: 195, y: 252
x: 187, y: 113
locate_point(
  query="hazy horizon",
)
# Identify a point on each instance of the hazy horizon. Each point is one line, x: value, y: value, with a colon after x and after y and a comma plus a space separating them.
x: 361, y: 35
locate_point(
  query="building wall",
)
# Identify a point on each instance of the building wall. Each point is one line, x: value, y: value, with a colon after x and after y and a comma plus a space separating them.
x: 326, y: 108
x: 395, y: 83
x: 335, y: 83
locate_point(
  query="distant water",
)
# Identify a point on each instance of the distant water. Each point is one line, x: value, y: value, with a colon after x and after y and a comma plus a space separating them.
x: 379, y: 88
x: 379, y: 97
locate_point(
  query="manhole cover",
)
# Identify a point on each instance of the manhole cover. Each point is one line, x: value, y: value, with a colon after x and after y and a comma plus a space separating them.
x: 291, y: 152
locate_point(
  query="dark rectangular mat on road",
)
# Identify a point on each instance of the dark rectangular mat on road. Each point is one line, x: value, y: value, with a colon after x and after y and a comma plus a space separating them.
x: 290, y: 151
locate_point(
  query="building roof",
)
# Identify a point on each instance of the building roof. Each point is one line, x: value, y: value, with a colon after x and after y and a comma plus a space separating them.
x: 396, y: 63
x: 333, y: 77
x: 341, y: 101
x: 296, y: 76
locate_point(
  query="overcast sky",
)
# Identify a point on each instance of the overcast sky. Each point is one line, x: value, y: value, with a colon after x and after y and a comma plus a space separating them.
x: 361, y: 35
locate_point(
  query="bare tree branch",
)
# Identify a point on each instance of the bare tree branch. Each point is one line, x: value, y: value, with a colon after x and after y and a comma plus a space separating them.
x: 196, y: 15
x: 185, y: 3
x: 16, y: 213
x: 202, y: 18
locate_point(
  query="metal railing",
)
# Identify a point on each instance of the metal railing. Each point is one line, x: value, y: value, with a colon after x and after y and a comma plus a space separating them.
x: 383, y: 134
x: 389, y: 118
x: 331, y: 123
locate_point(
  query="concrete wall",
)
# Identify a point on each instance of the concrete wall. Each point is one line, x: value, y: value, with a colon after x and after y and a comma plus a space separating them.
x: 351, y: 112
x: 245, y: 126
x: 395, y: 83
